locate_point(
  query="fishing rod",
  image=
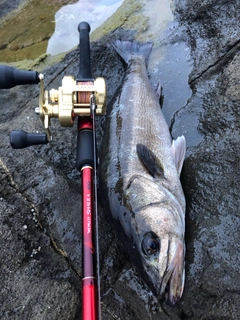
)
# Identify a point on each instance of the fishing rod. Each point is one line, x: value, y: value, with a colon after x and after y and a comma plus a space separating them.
x: 83, y: 98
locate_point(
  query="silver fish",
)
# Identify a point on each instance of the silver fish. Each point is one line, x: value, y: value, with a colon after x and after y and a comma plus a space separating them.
x: 140, y: 178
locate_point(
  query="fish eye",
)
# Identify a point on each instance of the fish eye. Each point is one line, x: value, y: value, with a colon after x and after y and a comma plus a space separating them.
x: 150, y: 245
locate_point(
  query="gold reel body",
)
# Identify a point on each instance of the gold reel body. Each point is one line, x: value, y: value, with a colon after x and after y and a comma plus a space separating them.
x: 71, y: 100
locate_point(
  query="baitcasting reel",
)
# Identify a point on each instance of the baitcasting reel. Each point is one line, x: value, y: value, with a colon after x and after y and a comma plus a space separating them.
x: 71, y: 100
x: 75, y: 98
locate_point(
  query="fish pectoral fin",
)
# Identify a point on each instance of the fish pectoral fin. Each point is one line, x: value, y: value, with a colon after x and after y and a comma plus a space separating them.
x: 150, y: 160
x: 179, y: 151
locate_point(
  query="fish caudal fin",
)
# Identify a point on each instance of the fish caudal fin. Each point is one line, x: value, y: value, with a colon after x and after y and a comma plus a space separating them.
x: 128, y: 49
x: 179, y: 151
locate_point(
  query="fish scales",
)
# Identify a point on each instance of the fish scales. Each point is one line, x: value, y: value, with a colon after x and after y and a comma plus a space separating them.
x: 139, y: 178
x: 143, y: 122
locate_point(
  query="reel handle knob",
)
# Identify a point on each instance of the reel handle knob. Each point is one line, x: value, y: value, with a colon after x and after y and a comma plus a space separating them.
x: 11, y: 77
x: 85, y: 73
x: 20, y: 139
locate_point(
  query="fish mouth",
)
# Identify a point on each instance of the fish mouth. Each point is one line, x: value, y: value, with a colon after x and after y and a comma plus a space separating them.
x: 173, y: 278
x: 169, y: 274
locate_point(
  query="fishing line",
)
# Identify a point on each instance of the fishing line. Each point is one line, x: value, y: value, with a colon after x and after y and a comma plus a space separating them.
x: 93, y: 111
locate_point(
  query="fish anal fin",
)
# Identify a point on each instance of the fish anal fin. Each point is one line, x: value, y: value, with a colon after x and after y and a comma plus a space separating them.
x: 179, y: 151
x: 150, y: 161
x: 159, y: 92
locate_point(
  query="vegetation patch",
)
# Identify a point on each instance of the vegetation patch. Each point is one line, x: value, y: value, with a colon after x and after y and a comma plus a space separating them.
x: 127, y: 17
x: 25, y: 31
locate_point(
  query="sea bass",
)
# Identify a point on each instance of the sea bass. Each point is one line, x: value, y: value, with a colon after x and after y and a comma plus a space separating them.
x: 140, y: 178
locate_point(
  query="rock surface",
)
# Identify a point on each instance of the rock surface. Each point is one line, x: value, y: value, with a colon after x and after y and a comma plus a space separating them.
x: 40, y: 211
x: 8, y: 6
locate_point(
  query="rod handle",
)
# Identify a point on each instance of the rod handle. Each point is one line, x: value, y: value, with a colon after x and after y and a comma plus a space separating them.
x: 85, y: 73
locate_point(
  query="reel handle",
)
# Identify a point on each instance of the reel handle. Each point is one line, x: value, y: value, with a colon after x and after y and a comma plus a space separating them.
x: 11, y: 77
x: 20, y: 139
x: 85, y: 73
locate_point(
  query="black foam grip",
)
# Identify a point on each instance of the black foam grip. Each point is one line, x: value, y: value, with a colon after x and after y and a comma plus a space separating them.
x: 85, y: 72
x: 85, y: 156
x: 11, y: 77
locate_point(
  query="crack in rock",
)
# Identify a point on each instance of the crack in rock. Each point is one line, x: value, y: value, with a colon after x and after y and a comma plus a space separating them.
x: 37, y: 219
x: 220, y: 63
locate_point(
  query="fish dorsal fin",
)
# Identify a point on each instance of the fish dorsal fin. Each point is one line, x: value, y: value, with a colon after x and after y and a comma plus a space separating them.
x: 150, y: 160
x: 179, y: 151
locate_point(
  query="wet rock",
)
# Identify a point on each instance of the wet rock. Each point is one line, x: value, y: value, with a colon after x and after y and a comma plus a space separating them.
x: 210, y: 176
x: 8, y: 6
x: 33, y: 275
x: 212, y: 30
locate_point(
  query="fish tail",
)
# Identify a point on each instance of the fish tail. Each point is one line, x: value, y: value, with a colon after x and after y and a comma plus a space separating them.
x: 128, y: 49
